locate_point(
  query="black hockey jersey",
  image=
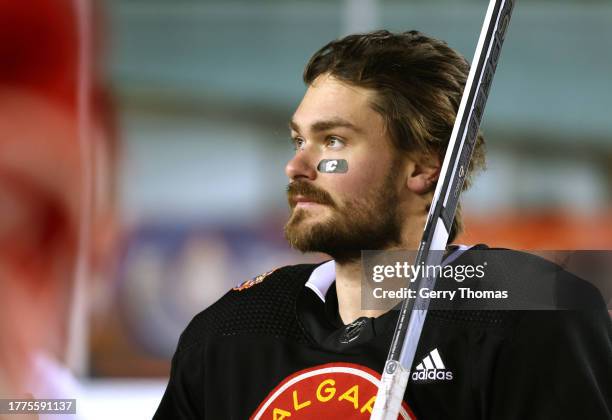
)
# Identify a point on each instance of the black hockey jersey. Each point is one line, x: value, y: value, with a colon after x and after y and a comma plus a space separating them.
x: 276, y: 348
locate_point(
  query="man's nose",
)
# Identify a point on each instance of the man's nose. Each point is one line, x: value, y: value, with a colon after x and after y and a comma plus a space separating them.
x: 302, y: 165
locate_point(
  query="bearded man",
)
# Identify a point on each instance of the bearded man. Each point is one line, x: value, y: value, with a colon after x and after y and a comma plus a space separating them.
x: 369, y: 137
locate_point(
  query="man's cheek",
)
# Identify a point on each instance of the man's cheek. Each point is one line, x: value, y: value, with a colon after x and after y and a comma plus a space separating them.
x: 358, y: 180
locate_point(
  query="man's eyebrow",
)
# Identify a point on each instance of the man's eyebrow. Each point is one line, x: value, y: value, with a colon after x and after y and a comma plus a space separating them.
x: 325, y: 125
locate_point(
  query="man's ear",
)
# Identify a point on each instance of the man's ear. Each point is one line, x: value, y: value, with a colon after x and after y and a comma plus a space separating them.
x: 422, y: 174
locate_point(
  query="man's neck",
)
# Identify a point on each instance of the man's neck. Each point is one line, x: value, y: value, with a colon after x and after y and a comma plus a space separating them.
x: 349, y: 274
x: 348, y: 290
x: 349, y: 278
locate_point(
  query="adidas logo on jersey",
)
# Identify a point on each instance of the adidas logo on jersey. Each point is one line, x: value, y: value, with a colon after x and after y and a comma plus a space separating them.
x: 432, y: 369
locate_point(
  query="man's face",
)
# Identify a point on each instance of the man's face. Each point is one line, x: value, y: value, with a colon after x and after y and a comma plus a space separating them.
x: 341, y: 214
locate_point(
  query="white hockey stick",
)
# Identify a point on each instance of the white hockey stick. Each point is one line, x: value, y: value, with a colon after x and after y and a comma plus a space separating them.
x: 442, y: 212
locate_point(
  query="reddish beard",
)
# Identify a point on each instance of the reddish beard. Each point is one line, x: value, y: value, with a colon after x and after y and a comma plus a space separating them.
x: 370, y: 222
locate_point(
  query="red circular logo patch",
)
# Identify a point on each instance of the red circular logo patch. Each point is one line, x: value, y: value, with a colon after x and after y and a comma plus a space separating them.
x: 334, y: 390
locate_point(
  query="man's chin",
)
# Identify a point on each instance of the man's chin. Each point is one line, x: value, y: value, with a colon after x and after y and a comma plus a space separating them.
x: 303, y: 231
x: 309, y: 216
x: 301, y: 226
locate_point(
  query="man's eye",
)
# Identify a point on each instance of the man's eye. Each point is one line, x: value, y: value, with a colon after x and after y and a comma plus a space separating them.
x: 334, y: 142
x: 298, y: 143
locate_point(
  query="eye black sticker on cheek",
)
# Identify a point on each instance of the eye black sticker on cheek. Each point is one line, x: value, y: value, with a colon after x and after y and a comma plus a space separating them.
x: 333, y: 166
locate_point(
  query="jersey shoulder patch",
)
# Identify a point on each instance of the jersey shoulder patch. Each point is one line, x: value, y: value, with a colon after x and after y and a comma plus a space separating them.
x: 255, y: 280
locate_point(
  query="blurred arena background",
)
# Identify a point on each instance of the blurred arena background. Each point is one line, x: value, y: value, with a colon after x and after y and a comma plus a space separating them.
x: 174, y: 190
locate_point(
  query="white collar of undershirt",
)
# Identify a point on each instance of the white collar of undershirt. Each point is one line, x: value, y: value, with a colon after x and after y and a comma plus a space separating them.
x: 324, y: 275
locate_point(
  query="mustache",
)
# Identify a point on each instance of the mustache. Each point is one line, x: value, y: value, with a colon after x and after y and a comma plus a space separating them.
x: 309, y: 192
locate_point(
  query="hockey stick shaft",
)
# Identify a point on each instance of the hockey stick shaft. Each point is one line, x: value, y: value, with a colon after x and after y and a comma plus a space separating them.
x: 413, y: 312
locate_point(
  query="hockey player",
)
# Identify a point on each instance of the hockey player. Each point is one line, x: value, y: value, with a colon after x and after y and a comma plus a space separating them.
x: 369, y: 136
